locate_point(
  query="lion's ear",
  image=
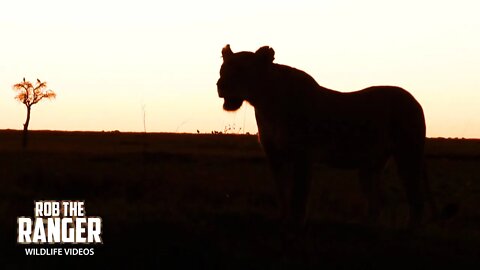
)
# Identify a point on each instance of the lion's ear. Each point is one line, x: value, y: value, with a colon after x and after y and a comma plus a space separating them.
x: 266, y: 53
x: 226, y: 52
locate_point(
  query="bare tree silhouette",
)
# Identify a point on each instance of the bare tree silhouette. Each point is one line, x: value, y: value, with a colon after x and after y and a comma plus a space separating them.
x: 30, y: 94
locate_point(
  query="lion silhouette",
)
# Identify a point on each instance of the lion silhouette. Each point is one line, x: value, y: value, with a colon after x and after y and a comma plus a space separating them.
x: 301, y: 122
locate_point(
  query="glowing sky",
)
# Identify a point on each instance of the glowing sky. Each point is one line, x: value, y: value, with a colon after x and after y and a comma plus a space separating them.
x: 108, y: 59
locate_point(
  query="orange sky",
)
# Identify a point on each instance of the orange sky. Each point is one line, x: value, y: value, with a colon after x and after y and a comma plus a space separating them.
x: 107, y: 60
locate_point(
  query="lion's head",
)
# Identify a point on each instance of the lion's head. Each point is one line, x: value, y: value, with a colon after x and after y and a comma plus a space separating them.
x: 241, y: 75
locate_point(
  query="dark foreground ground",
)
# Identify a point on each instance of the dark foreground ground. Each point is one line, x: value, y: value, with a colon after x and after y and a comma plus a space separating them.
x: 172, y: 201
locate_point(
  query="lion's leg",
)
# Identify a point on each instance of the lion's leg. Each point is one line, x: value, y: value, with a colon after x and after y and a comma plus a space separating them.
x: 301, y: 190
x: 282, y: 171
x: 427, y: 191
x: 412, y: 178
x: 411, y: 173
x: 370, y: 183
x: 292, y: 178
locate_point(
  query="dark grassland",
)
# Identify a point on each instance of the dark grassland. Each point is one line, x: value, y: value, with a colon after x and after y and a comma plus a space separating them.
x: 208, y: 202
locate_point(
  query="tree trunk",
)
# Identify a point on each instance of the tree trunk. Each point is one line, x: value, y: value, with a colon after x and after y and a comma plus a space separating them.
x: 25, y: 128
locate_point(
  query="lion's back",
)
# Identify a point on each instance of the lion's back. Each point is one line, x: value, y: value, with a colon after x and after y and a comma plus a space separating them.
x: 351, y: 128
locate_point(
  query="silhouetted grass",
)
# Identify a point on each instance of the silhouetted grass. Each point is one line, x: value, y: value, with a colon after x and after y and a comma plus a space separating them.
x: 207, y: 201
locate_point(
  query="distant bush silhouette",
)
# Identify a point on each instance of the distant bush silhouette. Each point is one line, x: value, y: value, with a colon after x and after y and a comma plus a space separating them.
x: 30, y: 94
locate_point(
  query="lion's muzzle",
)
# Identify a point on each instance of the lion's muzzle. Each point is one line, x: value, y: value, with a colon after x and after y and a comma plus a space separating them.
x: 232, y: 104
x: 220, y: 86
x: 229, y: 103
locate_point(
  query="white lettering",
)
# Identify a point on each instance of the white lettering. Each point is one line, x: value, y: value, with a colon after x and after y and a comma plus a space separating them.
x: 67, y: 233
x: 39, y: 231
x: 24, y: 230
